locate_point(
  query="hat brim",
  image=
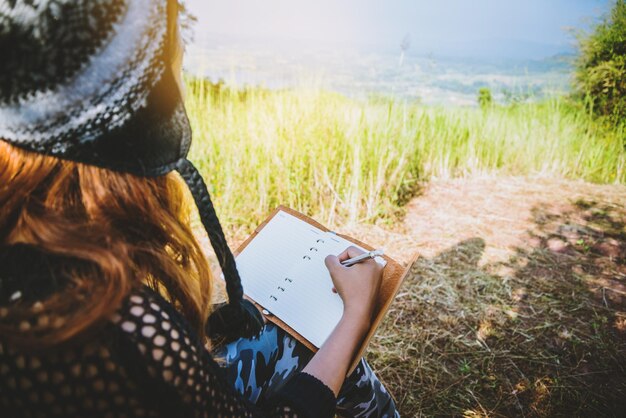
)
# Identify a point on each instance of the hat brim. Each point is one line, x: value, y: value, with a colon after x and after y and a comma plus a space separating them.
x: 151, y: 142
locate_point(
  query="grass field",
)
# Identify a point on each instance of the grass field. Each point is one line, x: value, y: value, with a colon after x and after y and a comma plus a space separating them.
x: 517, y: 304
x: 345, y: 161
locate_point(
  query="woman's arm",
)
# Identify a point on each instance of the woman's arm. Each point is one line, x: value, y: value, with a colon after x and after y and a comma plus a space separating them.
x: 160, y: 343
x: 330, y: 363
x: 358, y: 287
x: 163, y: 357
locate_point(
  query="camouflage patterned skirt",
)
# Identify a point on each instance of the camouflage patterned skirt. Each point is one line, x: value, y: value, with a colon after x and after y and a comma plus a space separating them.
x: 259, y: 366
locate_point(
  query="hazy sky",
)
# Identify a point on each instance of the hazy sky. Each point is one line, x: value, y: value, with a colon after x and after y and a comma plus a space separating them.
x: 385, y: 22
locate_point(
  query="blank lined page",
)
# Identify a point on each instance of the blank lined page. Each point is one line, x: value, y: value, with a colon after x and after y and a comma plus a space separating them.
x: 274, y: 250
x: 308, y: 304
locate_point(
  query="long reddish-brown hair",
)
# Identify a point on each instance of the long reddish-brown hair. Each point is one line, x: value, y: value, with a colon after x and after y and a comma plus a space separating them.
x: 122, y: 230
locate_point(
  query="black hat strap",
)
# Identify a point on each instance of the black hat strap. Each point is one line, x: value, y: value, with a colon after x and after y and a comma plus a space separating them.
x: 239, y: 318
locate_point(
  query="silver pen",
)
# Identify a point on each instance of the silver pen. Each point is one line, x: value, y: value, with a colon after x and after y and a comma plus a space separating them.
x: 361, y: 257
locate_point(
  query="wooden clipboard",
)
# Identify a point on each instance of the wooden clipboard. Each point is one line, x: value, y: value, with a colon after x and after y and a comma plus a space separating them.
x: 393, y: 276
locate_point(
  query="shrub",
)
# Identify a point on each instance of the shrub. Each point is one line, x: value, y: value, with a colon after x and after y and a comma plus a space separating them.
x: 601, y: 65
x: 485, y: 99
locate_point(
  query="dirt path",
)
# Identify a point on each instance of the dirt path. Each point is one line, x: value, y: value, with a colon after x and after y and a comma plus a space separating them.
x: 498, y: 210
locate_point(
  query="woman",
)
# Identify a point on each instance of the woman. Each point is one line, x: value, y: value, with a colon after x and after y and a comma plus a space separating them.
x: 104, y: 291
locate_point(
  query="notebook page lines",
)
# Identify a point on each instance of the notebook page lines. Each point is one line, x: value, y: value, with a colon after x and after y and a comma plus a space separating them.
x: 275, y: 249
x: 307, y: 303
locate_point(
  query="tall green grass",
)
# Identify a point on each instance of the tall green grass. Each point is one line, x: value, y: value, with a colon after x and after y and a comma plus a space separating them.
x: 343, y: 160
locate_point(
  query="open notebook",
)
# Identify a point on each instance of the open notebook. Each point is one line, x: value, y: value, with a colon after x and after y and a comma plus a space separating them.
x: 282, y: 270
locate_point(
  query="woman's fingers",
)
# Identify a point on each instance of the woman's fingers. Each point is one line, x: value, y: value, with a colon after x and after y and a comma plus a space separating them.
x: 349, y: 252
x: 332, y: 264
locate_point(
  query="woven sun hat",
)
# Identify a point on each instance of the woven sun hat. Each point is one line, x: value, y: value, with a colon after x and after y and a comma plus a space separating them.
x: 91, y: 81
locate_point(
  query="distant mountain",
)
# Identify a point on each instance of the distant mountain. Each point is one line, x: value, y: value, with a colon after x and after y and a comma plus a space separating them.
x: 494, y: 49
x: 448, y: 74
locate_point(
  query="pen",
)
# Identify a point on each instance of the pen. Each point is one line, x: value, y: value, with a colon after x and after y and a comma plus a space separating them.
x: 364, y: 256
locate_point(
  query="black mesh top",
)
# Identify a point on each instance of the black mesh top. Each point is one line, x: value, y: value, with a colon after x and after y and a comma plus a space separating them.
x: 146, y: 362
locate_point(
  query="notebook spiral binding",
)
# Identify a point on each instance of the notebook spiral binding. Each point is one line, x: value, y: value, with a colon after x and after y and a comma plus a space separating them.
x: 289, y: 280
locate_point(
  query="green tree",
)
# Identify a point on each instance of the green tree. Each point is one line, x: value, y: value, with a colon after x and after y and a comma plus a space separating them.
x: 485, y: 99
x: 601, y: 65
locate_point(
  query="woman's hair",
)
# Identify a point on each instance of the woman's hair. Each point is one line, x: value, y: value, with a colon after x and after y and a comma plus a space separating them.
x: 112, y: 231
x: 119, y: 230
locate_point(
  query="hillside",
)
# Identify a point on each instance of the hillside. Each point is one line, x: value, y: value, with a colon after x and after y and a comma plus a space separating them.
x: 515, y: 305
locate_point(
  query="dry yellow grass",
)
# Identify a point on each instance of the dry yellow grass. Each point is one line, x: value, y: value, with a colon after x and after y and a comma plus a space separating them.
x: 517, y: 305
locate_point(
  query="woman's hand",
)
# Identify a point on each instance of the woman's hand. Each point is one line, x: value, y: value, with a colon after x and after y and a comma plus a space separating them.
x: 357, y: 285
